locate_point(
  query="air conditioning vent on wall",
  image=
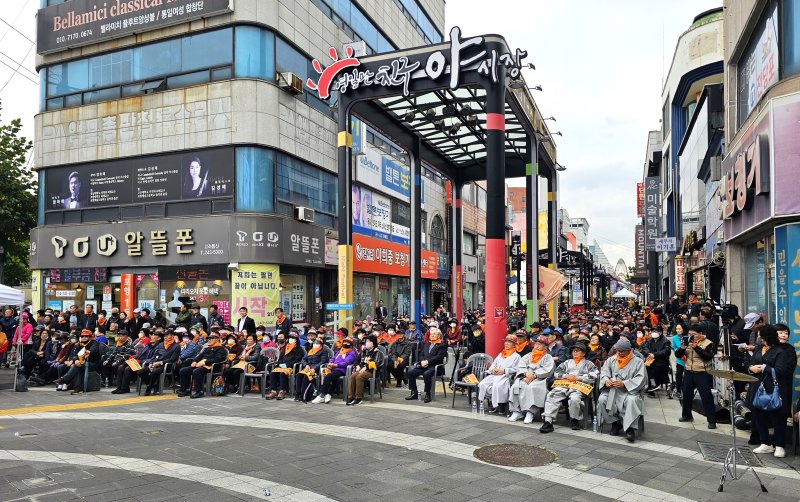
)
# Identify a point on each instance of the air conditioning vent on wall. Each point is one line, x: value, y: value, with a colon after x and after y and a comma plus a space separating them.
x: 304, y: 214
x: 288, y: 81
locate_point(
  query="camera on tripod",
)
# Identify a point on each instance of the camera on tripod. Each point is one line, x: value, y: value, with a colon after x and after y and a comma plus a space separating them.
x: 727, y: 312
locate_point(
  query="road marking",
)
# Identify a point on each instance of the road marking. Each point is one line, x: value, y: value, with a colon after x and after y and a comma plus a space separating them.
x: 85, y: 405
x: 593, y: 483
x: 231, y: 481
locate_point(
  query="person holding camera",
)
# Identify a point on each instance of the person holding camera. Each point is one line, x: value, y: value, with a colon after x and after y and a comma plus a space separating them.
x: 698, y: 353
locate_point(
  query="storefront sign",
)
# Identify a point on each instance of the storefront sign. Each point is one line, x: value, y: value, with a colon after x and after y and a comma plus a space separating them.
x: 470, y: 268
x: 442, y: 266
x: 193, y: 273
x: 372, y: 213
x: 787, y: 301
x: 126, y: 293
x: 257, y: 287
x: 429, y: 262
x: 745, y: 185
x: 652, y: 208
x: 401, y: 234
x: 277, y: 240
x: 463, y: 55
x: 641, y: 253
x: 82, y: 22
x: 640, y: 200
x: 331, y: 251
x: 379, y: 257
x: 758, y: 68
x: 376, y: 170
x: 188, y: 176
x: 58, y: 275
x: 699, y: 281
x: 786, y: 154
x: 162, y: 242
x: 680, y: 275
x: 439, y: 286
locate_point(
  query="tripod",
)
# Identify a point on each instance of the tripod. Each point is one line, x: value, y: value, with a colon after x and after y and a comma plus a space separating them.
x: 729, y: 467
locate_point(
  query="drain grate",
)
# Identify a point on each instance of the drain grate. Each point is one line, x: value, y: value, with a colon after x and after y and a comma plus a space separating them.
x: 716, y: 452
x: 515, y: 455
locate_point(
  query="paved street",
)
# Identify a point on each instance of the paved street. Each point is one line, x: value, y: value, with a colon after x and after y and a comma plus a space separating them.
x: 102, y: 447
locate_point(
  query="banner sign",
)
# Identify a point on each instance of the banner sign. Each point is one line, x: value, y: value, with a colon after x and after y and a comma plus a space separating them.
x: 640, y: 200
x: 787, y: 271
x: 257, y: 287
x: 389, y: 258
x: 377, y: 171
x: 757, y: 70
x: 641, y: 253
x: 186, y: 176
x: 680, y: 275
x: 82, y: 22
x: 652, y: 208
x: 372, y: 214
x: 470, y: 268
x: 58, y: 275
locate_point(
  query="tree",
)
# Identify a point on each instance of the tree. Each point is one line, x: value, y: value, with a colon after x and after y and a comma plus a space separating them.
x: 18, y: 203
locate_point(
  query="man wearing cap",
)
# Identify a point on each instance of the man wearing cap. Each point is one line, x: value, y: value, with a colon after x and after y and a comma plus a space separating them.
x: 698, y: 355
x: 523, y: 346
x: 184, y: 317
x: 498, y: 376
x: 116, y: 355
x: 159, y: 320
x: 193, y: 375
x: 529, y: 390
x: 87, y: 356
x: 164, y: 353
x: 577, y: 369
x: 623, y: 379
x: 430, y: 355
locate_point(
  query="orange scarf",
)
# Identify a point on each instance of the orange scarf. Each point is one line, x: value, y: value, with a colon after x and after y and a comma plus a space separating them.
x: 167, y: 345
x: 594, y: 347
x: 281, y: 318
x: 578, y: 359
x: 289, y: 348
x: 623, y: 361
x: 120, y: 343
x: 507, y: 352
x: 536, y: 355
x: 314, y: 350
x: 344, y: 351
x: 763, y: 349
x: 521, y: 346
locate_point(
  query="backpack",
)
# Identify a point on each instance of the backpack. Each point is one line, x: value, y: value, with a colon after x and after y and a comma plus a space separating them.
x: 218, y: 386
x: 22, y: 383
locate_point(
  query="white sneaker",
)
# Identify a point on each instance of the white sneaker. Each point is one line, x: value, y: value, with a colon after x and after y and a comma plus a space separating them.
x: 317, y: 399
x: 529, y: 417
x: 780, y: 452
x: 328, y: 398
x: 515, y: 417
x: 765, y: 448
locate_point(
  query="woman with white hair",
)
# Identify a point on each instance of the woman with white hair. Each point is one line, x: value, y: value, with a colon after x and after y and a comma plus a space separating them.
x: 497, y: 381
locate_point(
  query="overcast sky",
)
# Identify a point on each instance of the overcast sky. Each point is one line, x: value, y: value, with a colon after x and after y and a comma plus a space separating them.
x: 601, y: 65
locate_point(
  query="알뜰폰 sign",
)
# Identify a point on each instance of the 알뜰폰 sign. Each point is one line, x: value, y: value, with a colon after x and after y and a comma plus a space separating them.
x: 83, y: 22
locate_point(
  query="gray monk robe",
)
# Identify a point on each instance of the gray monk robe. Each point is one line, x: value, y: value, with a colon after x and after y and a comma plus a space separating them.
x: 626, y: 403
x: 525, y: 395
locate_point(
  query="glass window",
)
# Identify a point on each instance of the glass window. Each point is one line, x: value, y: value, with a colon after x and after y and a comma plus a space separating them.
x: 755, y: 278
x: 290, y: 59
x: 302, y: 184
x: 255, y: 180
x: 469, y: 243
x: 364, y: 27
x: 214, y: 48
x: 481, y: 198
x: 94, y: 96
x: 255, y: 53
x: 41, y: 198
x: 187, y: 79
x: 69, y: 77
x: 401, y: 213
x: 438, y: 239
x: 157, y: 59
x: 110, y: 69
x: 791, y: 37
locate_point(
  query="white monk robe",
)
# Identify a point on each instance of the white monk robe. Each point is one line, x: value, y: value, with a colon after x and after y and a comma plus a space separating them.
x: 626, y: 403
x: 498, y: 385
x: 526, y: 395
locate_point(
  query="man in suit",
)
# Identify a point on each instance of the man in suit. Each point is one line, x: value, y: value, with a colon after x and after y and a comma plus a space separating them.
x: 73, y: 201
x: 431, y: 354
x: 381, y: 312
x: 89, y: 319
x: 245, y: 323
x: 282, y: 323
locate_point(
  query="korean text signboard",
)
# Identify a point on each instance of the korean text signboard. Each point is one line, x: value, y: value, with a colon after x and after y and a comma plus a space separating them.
x: 641, y: 253
x: 787, y: 287
x: 757, y: 70
x: 379, y: 172
x: 640, y: 200
x: 680, y: 274
x: 82, y: 22
x: 652, y: 211
x: 189, y: 176
x: 257, y: 287
x: 390, y: 258
x: 372, y: 213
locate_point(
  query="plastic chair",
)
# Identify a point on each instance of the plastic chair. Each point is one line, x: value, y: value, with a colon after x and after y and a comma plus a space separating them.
x: 295, y: 370
x: 255, y: 375
x: 439, y: 372
x: 271, y: 356
x: 168, y: 369
x: 480, y: 362
x: 375, y: 382
x: 216, y: 370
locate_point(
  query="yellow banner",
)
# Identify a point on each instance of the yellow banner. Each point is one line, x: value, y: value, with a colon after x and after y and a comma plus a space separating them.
x: 256, y: 287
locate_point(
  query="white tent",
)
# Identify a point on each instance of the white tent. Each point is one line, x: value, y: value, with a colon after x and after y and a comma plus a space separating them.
x: 624, y: 293
x: 11, y: 296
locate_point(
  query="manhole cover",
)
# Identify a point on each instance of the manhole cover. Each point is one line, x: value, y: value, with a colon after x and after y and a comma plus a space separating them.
x: 515, y: 455
x: 716, y: 452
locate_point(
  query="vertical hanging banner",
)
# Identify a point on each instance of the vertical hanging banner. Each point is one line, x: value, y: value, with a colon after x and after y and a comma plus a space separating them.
x: 126, y: 293
x: 680, y: 275
x: 787, y: 289
x: 257, y: 287
x: 652, y: 211
x: 640, y: 200
x: 641, y: 253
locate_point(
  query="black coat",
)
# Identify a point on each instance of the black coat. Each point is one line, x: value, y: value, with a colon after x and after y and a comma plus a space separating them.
x: 249, y: 325
x: 433, y: 353
x: 661, y: 349
x: 784, y: 360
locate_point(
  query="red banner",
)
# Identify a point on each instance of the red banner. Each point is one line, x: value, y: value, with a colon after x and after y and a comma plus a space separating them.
x: 640, y: 199
x: 376, y: 256
x: 126, y: 294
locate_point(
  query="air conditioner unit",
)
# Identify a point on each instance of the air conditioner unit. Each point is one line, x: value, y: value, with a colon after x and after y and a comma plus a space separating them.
x: 288, y: 81
x: 304, y: 214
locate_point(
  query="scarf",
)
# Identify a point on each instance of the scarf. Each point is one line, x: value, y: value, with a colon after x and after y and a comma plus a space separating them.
x: 314, y: 350
x: 521, y: 346
x: 507, y: 352
x: 167, y: 345
x: 343, y: 351
x: 763, y: 349
x: 536, y: 355
x: 120, y: 343
x: 281, y: 318
x: 594, y: 347
x: 289, y: 347
x: 623, y: 361
x: 578, y: 359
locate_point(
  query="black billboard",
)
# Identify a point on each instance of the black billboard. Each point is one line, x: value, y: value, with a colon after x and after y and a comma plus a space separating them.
x: 173, y: 177
x: 82, y: 22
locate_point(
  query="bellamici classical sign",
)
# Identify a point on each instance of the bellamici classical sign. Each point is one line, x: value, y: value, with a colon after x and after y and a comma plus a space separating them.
x: 83, y: 22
